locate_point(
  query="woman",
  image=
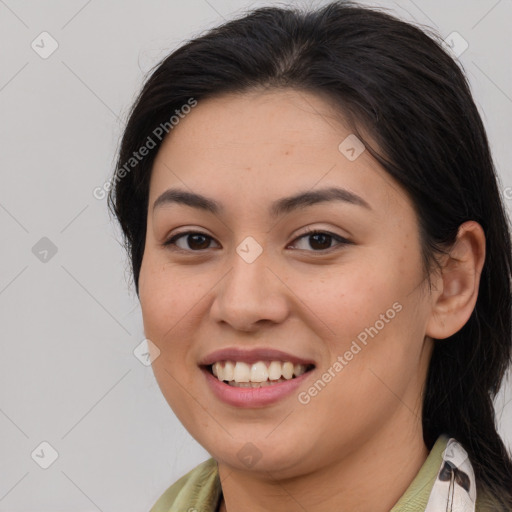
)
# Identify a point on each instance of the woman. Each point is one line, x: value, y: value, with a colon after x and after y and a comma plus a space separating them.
x: 323, y: 263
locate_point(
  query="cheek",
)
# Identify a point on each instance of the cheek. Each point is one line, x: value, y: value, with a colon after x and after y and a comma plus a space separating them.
x: 348, y: 299
x: 165, y: 296
x: 167, y: 305
x: 166, y: 310
x: 371, y: 312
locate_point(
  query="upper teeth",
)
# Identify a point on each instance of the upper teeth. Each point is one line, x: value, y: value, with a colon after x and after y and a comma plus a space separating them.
x: 256, y: 372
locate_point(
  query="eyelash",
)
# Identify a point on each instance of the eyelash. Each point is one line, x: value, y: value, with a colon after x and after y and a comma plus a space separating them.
x: 341, y: 241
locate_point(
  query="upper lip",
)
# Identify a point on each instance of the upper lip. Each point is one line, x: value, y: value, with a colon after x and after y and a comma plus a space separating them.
x: 252, y: 356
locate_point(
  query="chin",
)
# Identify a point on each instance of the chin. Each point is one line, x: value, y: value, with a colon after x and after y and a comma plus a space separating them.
x: 257, y: 454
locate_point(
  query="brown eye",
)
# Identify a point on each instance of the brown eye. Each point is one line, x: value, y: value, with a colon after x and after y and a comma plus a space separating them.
x: 196, y: 241
x: 322, y: 240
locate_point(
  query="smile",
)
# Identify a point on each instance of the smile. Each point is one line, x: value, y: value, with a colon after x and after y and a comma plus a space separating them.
x: 257, y: 374
x: 256, y: 377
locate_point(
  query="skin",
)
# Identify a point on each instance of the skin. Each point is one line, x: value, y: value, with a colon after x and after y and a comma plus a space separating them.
x: 246, y: 151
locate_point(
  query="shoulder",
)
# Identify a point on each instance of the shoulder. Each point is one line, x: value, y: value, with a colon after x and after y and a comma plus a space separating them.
x: 199, y: 488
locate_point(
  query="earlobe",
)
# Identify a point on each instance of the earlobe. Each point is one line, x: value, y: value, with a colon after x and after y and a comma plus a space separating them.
x: 458, y: 282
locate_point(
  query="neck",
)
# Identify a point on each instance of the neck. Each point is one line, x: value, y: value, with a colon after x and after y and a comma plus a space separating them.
x: 373, y: 477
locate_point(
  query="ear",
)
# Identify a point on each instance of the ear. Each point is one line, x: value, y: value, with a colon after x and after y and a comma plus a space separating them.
x: 456, y: 287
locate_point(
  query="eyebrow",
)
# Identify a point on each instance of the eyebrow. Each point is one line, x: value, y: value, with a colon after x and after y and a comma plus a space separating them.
x: 277, y: 208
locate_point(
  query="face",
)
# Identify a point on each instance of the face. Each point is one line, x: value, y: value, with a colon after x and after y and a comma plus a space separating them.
x: 248, y: 286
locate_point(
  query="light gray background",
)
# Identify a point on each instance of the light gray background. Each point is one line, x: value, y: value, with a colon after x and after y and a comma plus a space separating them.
x: 69, y: 326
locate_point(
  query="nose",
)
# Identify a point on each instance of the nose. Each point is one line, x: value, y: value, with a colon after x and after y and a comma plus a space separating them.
x: 250, y: 295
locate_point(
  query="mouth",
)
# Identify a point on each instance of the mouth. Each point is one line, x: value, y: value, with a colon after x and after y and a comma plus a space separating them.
x: 257, y: 374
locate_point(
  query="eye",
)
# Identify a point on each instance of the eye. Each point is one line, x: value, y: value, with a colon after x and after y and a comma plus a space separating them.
x: 321, y: 240
x: 196, y: 241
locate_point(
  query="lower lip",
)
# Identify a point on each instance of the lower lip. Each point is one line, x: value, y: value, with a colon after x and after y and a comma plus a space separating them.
x: 253, y: 397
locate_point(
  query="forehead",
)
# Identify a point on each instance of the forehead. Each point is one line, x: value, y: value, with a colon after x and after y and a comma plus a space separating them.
x: 281, y: 121
x: 257, y: 145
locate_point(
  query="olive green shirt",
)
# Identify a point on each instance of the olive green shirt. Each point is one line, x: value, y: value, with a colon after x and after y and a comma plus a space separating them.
x: 200, y: 490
